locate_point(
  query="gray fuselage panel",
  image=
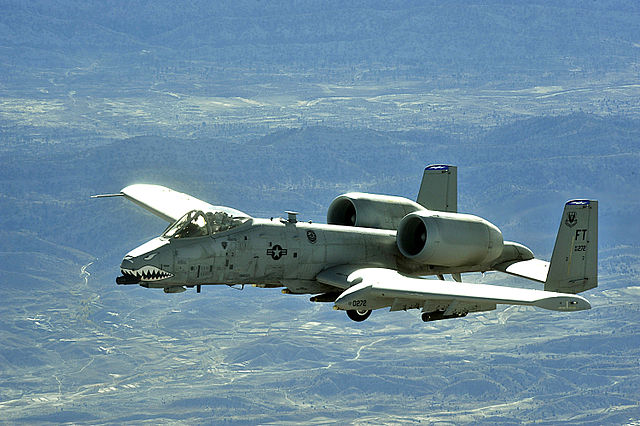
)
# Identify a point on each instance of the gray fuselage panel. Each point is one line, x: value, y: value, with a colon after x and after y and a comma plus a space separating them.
x: 274, y: 251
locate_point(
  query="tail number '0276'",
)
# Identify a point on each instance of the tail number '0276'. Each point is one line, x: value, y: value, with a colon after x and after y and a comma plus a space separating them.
x: 359, y: 303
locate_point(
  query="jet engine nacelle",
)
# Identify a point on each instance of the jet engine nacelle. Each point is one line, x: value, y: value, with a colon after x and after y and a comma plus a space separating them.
x: 448, y: 239
x: 370, y: 210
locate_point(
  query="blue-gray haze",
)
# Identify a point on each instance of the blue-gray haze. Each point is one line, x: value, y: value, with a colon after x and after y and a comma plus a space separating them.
x: 269, y: 106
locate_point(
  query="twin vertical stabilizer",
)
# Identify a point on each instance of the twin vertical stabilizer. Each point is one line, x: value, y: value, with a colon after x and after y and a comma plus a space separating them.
x: 574, y: 263
x: 439, y: 188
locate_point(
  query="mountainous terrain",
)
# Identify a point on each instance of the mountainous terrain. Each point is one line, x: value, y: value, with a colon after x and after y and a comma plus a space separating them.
x: 272, y: 106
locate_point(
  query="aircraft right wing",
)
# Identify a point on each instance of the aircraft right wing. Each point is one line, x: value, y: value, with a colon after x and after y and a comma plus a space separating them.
x: 168, y: 204
x: 374, y: 288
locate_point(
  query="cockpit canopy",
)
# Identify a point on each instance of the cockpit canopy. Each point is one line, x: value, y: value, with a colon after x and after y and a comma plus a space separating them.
x: 199, y: 224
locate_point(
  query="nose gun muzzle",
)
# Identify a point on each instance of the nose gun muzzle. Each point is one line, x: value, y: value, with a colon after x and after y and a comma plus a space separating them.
x: 127, y: 279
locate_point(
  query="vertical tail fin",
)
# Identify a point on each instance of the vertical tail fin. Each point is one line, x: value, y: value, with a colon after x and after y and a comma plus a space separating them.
x: 574, y: 263
x: 439, y: 188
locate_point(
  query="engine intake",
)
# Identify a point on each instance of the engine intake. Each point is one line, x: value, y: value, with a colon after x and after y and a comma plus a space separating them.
x: 448, y: 239
x: 370, y: 210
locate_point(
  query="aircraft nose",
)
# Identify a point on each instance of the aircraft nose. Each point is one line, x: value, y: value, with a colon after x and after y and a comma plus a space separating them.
x: 127, y: 262
x: 152, y: 261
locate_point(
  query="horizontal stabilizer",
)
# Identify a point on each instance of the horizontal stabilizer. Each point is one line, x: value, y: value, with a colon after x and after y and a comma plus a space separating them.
x: 533, y: 269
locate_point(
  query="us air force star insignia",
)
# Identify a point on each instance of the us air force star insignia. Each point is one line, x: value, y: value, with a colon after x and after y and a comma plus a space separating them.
x: 571, y: 219
x: 276, y: 252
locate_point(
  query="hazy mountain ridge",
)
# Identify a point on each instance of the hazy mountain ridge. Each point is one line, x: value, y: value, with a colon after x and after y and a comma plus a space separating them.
x: 305, y: 168
x: 584, y: 37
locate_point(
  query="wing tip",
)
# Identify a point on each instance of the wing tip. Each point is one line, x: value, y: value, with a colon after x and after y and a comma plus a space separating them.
x: 564, y: 303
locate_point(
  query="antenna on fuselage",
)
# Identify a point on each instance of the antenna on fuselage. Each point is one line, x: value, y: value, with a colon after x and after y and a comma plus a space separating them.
x: 293, y: 216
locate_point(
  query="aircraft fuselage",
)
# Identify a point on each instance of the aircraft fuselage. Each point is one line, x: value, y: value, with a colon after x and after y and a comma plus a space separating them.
x: 273, y: 252
x: 263, y: 252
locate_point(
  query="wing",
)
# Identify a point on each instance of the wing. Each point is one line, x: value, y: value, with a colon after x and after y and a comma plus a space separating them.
x: 374, y: 288
x: 168, y: 204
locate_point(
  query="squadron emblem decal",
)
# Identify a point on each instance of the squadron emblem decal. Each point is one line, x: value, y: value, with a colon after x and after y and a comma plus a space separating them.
x: 312, y: 237
x: 571, y: 220
x: 276, y: 252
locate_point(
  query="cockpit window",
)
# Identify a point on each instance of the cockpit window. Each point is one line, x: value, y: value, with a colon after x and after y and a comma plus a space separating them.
x: 192, y: 224
x: 199, y: 224
x: 221, y: 221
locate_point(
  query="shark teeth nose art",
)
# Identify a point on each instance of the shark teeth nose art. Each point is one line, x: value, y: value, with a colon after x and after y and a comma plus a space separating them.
x: 147, y: 273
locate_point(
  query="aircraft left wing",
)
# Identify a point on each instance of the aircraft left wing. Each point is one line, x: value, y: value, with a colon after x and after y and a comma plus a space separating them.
x: 168, y: 204
x: 374, y: 288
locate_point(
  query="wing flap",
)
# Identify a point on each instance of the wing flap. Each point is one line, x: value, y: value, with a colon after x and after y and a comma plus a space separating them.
x: 168, y: 204
x: 376, y: 287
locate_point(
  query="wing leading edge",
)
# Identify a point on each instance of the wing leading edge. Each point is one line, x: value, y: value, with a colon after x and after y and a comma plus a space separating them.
x: 168, y: 204
x: 374, y: 288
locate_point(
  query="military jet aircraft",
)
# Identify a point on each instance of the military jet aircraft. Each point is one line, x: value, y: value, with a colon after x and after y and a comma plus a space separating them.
x: 374, y: 252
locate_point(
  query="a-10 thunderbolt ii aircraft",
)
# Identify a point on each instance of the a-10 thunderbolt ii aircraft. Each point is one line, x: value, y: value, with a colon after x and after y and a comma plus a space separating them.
x: 374, y: 252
